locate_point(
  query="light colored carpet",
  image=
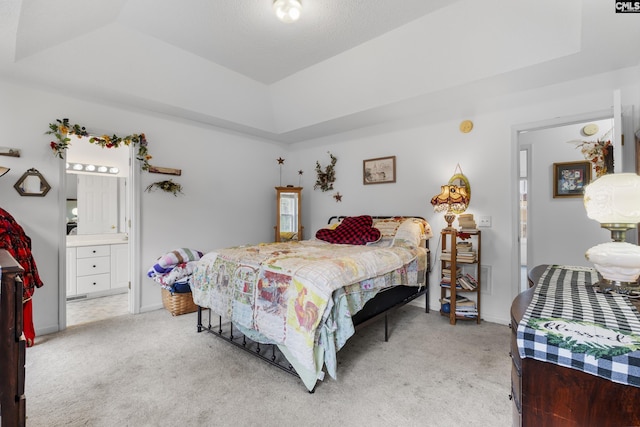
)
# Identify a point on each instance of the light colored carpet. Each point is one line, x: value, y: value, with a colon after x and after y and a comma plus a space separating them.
x: 153, y: 369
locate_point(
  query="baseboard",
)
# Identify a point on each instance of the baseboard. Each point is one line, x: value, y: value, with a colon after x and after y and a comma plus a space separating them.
x: 152, y: 307
x: 47, y: 330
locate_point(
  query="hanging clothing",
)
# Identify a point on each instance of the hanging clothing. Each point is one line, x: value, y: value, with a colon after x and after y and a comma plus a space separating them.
x: 14, y: 240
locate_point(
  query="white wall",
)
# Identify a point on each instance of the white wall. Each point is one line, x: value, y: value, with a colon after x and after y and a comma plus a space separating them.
x: 427, y: 156
x: 83, y: 151
x: 228, y: 182
x: 228, y: 178
x: 559, y: 230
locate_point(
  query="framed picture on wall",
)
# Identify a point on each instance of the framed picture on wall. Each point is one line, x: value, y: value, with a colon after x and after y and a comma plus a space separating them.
x: 379, y: 171
x: 570, y: 178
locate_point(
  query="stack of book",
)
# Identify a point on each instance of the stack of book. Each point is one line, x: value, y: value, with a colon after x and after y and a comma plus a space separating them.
x: 464, y: 306
x: 467, y: 309
x: 446, y: 275
x: 463, y: 281
x: 466, y: 222
x: 465, y: 252
x: 468, y: 282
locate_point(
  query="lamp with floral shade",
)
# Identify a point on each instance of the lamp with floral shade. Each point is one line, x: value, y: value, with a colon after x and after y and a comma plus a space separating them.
x: 452, y: 200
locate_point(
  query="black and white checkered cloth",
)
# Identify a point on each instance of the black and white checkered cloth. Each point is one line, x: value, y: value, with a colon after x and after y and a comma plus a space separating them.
x: 570, y: 324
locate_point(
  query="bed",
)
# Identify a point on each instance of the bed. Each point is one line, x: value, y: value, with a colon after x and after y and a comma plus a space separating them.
x: 295, y: 304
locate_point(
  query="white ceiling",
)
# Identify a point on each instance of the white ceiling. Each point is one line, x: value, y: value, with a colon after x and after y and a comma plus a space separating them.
x: 345, y: 64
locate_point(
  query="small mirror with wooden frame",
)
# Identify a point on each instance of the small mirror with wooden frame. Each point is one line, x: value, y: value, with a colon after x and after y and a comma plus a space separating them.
x: 32, y: 183
x: 288, y: 214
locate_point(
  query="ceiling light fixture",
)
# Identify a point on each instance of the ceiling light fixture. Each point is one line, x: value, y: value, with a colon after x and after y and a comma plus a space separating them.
x: 287, y: 10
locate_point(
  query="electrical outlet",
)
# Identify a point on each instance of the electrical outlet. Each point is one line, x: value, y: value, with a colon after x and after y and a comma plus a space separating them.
x: 485, y: 221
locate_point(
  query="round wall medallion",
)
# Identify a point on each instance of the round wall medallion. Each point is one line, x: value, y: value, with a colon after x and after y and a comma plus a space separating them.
x: 590, y: 129
x: 466, y: 126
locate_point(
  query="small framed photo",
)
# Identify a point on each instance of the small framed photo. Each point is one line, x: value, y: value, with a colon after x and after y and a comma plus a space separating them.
x: 570, y: 178
x: 379, y: 171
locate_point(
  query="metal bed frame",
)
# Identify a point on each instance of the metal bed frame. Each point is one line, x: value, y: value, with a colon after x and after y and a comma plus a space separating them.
x: 382, y: 305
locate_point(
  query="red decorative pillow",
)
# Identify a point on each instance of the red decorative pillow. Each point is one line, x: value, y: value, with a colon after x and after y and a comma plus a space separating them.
x: 353, y: 230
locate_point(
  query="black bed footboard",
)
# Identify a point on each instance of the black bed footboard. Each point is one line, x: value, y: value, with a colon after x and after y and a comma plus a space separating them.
x: 267, y: 352
x: 373, y: 310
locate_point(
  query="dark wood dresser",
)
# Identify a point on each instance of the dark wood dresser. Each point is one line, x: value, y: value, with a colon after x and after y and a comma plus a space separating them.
x: 546, y: 394
x: 12, y: 344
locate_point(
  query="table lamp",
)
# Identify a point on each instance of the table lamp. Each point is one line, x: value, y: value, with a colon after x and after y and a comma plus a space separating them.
x: 614, y: 201
x: 451, y: 200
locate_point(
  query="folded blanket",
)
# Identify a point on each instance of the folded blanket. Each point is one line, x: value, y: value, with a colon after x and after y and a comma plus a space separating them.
x: 180, y: 273
x: 181, y: 287
x: 169, y: 261
x: 175, y: 266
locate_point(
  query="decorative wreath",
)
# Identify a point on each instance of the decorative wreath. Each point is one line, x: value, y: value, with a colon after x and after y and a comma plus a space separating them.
x: 169, y: 186
x: 327, y: 177
x: 62, y: 129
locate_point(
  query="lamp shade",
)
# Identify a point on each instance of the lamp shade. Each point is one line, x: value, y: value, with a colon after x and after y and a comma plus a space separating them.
x: 616, y: 261
x: 3, y: 170
x: 451, y: 197
x: 614, y: 199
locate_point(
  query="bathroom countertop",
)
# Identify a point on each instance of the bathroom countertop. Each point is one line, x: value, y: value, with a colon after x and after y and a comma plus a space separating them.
x: 74, y: 241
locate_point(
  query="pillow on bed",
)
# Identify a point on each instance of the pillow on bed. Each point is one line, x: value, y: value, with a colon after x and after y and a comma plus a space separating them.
x: 411, y: 232
x: 353, y: 230
x: 388, y: 226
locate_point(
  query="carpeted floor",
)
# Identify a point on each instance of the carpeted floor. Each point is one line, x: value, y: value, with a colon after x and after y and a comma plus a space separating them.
x: 153, y: 369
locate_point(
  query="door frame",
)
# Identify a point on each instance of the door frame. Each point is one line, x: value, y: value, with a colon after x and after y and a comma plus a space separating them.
x: 516, y: 130
x: 133, y: 196
x: 529, y: 150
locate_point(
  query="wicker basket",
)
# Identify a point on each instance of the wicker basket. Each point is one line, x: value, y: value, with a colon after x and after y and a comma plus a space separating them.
x: 178, y: 304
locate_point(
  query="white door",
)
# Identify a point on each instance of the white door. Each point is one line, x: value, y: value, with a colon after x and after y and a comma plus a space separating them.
x: 98, y: 207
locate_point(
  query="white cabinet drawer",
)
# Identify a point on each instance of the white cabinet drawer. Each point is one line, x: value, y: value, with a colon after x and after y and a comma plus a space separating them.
x: 89, y: 266
x: 95, y: 283
x: 93, y: 251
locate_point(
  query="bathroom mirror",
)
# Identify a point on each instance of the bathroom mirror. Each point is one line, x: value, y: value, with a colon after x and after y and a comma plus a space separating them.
x: 96, y: 204
x: 32, y: 183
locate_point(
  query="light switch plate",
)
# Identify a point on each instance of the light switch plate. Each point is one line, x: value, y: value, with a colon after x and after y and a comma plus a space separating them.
x: 484, y: 221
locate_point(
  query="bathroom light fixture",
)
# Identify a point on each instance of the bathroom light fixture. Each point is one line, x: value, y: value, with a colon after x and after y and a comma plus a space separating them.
x: 287, y: 10
x: 82, y: 167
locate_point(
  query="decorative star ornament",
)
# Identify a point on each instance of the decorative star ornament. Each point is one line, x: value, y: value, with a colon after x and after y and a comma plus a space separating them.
x: 338, y: 197
x: 300, y: 172
x: 280, y: 160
